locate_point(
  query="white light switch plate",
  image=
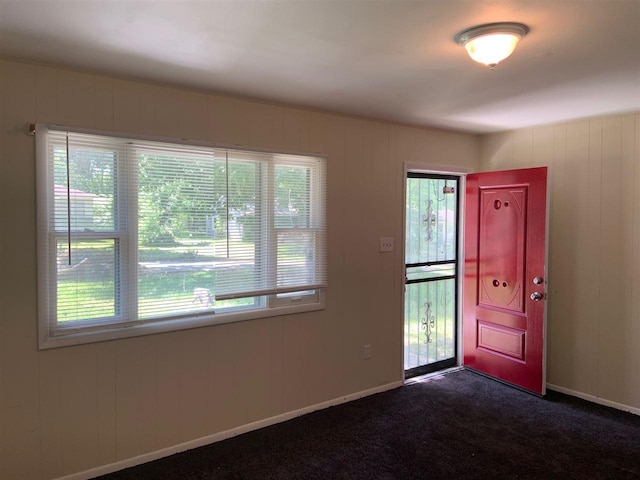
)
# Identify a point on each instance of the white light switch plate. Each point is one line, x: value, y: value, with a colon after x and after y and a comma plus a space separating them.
x: 386, y: 244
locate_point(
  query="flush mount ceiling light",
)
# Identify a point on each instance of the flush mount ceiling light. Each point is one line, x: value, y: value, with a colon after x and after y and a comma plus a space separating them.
x: 492, y: 42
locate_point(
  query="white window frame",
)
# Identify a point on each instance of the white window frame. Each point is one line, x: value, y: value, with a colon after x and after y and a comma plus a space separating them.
x: 52, y: 334
x: 308, y: 296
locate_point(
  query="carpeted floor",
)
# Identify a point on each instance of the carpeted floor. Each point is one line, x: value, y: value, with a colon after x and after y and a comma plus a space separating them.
x: 457, y: 426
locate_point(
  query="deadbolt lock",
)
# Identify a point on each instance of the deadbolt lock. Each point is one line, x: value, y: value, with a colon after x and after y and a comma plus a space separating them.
x: 538, y: 280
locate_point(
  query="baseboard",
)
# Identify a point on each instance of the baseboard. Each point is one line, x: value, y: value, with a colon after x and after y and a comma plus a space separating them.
x: 594, y: 399
x: 216, y: 437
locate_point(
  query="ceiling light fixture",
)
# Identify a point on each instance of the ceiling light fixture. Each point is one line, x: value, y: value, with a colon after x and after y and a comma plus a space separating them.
x: 493, y: 42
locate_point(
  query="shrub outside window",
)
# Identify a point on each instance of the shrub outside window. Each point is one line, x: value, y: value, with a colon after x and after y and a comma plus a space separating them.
x: 139, y: 236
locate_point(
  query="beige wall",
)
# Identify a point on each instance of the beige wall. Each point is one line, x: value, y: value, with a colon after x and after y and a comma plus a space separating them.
x: 71, y: 409
x: 594, y: 248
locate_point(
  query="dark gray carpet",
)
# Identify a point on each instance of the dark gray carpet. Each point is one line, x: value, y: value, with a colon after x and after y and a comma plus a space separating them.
x: 460, y: 426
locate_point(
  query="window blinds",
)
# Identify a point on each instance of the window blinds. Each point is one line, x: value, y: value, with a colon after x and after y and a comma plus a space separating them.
x: 139, y: 230
x: 82, y: 212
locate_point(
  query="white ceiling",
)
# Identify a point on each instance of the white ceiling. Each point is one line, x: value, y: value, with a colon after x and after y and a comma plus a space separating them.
x: 388, y: 59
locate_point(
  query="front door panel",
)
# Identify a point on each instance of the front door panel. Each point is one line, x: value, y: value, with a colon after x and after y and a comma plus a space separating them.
x: 501, y: 247
x: 503, y: 325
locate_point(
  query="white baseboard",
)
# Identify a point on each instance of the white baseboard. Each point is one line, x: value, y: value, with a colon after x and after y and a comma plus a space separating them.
x: 216, y: 437
x: 594, y: 399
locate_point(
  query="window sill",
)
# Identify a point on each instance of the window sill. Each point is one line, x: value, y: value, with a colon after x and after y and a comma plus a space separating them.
x: 165, y: 326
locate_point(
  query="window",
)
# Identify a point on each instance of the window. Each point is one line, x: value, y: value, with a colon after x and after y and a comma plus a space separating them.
x: 139, y: 236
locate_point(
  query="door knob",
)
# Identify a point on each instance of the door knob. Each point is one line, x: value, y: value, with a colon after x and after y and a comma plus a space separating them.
x: 536, y: 296
x: 537, y: 280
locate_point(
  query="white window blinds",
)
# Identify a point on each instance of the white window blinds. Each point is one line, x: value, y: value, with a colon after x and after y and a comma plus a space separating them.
x: 134, y: 231
x: 83, y: 229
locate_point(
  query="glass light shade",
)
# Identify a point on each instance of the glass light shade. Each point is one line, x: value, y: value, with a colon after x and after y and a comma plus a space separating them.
x: 492, y: 42
x: 493, y: 48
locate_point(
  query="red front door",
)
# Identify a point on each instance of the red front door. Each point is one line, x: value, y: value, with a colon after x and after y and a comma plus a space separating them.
x: 504, y: 276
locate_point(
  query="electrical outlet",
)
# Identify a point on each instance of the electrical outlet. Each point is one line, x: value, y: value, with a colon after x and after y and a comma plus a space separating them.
x: 386, y: 244
x: 367, y: 352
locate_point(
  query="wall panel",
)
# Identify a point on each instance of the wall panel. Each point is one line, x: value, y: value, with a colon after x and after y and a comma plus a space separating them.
x: 46, y: 92
x: 78, y: 384
x: 127, y: 111
x: 103, y: 103
x: 20, y: 433
x: 629, y: 262
x: 193, y: 116
x: 632, y: 325
x: 70, y: 409
x: 76, y: 98
x: 593, y: 310
x: 220, y: 119
x: 137, y: 398
x: 612, y: 262
x: 557, y: 359
x: 106, y: 377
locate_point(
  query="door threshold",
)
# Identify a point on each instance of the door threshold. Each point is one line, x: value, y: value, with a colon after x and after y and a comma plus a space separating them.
x: 430, y: 376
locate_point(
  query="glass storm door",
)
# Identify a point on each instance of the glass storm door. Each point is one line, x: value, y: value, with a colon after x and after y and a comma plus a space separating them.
x: 431, y: 266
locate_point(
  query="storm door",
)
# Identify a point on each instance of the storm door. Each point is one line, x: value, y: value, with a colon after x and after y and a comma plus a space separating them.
x: 431, y: 266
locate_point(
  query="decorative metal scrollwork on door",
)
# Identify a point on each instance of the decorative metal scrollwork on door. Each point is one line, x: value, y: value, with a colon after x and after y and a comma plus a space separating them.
x: 428, y: 321
x: 429, y: 220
